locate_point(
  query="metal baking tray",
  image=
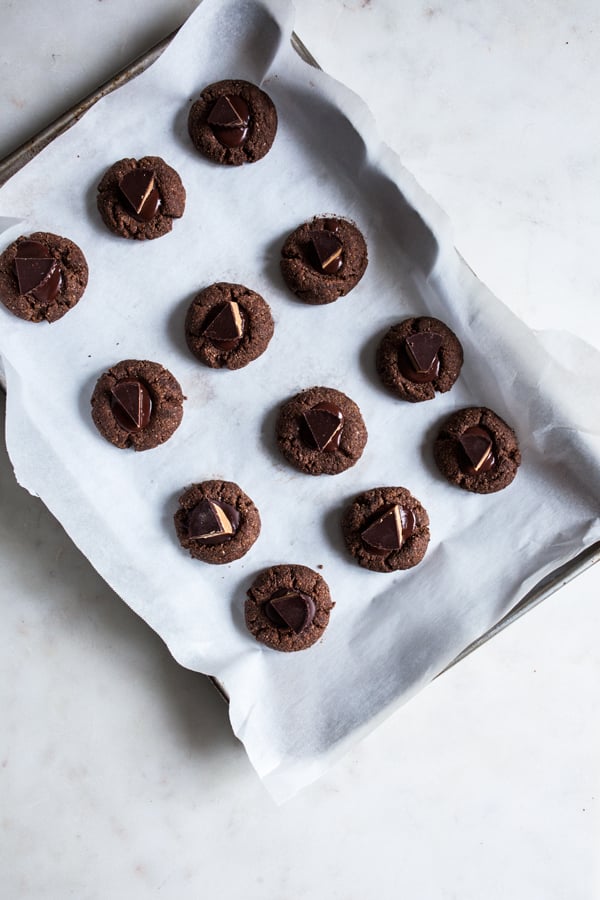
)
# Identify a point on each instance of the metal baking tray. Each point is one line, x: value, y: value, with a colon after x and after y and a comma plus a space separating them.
x: 23, y: 154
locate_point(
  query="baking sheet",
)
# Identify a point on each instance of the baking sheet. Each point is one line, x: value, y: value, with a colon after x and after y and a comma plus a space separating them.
x: 389, y: 634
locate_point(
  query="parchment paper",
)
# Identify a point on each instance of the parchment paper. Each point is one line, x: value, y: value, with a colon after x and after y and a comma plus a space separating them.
x: 389, y: 634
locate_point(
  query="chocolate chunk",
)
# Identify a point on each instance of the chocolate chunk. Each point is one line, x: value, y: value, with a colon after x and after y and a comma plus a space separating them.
x: 37, y: 272
x: 226, y: 327
x: 385, y: 533
x: 389, y: 531
x: 230, y: 119
x: 138, y: 188
x: 325, y: 422
x: 327, y: 249
x: 331, y: 225
x: 290, y: 609
x: 33, y: 250
x: 212, y: 522
x: 477, y: 447
x: 131, y: 404
x: 422, y: 349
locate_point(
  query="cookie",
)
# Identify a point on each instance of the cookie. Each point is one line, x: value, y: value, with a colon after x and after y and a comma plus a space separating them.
x: 323, y: 259
x: 228, y: 325
x: 139, y: 198
x: 477, y: 451
x: 233, y: 122
x: 418, y: 357
x: 288, y: 607
x: 42, y: 276
x: 386, y: 529
x: 216, y: 522
x: 321, y: 431
x: 137, y: 404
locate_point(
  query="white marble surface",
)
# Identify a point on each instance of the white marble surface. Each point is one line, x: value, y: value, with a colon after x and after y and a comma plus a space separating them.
x: 119, y: 776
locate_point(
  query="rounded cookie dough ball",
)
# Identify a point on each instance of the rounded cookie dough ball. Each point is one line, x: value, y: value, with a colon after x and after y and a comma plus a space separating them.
x: 233, y: 122
x: 386, y: 529
x: 42, y: 276
x: 228, y: 326
x: 324, y: 259
x: 216, y: 521
x: 288, y: 607
x: 138, y: 404
x: 476, y: 450
x: 418, y: 357
x: 321, y: 431
x: 140, y: 198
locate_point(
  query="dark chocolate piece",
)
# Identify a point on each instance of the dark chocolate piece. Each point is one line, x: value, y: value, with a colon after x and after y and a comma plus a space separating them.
x: 38, y: 273
x: 478, y: 450
x: 212, y: 522
x: 327, y: 251
x: 138, y: 188
x: 131, y: 404
x: 290, y: 609
x: 389, y: 531
x: 226, y: 327
x: 325, y: 423
x: 422, y: 349
x: 230, y: 120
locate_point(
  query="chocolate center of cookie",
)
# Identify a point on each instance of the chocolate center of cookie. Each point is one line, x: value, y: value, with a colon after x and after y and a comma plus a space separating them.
x: 138, y: 187
x: 287, y: 608
x: 324, y: 423
x: 213, y: 522
x: 476, y: 450
x: 224, y: 325
x: 326, y: 252
x: 418, y: 357
x: 131, y: 404
x: 389, y: 530
x: 230, y: 120
x: 38, y: 273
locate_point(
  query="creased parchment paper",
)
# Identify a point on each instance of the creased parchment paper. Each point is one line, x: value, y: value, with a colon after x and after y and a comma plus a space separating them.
x: 389, y: 634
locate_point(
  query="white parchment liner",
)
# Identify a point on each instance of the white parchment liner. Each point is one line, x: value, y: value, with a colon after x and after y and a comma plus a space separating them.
x: 389, y: 634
